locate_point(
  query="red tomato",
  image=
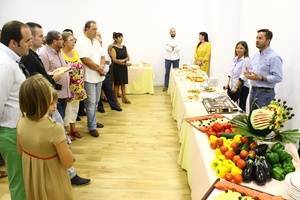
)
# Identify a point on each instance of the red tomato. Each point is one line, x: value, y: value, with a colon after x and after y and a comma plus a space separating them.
x: 228, y: 176
x: 229, y: 154
x: 236, y: 158
x: 223, y: 149
x: 234, y: 146
x: 244, y: 154
x: 213, y: 145
x: 228, y: 130
x: 219, y: 142
x: 241, y: 163
x: 253, y: 145
x: 244, y: 140
x: 217, y: 127
x: 238, y: 178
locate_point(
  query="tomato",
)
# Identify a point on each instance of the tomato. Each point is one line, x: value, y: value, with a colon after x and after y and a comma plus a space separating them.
x: 223, y: 149
x: 217, y: 127
x: 228, y: 130
x: 236, y: 158
x: 229, y: 154
x: 219, y: 142
x: 252, y: 154
x: 253, y: 145
x: 234, y: 146
x: 244, y: 140
x: 241, y: 163
x: 228, y: 176
x: 213, y: 145
x: 244, y: 154
x: 238, y: 178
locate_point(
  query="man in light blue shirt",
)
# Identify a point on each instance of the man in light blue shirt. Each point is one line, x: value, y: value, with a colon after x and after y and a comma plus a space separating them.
x: 15, y: 42
x: 264, y: 72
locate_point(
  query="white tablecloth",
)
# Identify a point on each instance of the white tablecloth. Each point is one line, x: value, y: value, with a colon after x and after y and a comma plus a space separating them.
x: 195, y: 153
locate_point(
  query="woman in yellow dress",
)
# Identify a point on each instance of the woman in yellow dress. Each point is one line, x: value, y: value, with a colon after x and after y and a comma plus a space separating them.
x: 203, y: 52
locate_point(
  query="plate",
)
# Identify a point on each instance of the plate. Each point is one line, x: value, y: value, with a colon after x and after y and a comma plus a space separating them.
x: 295, y: 180
x: 60, y: 70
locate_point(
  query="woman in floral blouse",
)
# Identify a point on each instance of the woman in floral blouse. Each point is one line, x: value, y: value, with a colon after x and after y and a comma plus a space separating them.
x: 76, y: 82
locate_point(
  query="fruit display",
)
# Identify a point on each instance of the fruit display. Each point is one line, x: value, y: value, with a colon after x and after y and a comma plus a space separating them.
x: 266, y: 123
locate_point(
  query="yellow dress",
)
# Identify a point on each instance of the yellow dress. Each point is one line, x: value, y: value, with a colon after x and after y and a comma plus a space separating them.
x: 45, y: 178
x: 202, y: 53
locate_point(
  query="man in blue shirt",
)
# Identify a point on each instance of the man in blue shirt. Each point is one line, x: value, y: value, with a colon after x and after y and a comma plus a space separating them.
x: 264, y: 72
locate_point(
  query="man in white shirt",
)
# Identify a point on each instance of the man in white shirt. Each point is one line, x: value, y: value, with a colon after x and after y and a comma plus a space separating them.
x: 93, y: 58
x: 171, y: 56
x: 15, y: 42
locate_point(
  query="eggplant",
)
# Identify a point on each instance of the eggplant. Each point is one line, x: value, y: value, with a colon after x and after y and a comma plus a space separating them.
x: 248, y: 171
x: 260, y: 174
x: 267, y: 167
x: 261, y: 149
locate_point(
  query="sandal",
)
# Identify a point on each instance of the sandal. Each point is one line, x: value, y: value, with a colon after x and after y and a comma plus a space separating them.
x: 3, y: 174
x: 76, y: 134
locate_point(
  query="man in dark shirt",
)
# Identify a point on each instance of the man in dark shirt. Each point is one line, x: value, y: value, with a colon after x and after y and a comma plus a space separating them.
x: 34, y: 65
x: 32, y: 61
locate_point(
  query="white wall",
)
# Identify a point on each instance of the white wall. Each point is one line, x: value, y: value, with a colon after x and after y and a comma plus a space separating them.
x: 145, y: 27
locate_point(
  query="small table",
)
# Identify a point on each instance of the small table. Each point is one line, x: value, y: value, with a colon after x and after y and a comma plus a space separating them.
x: 140, y: 79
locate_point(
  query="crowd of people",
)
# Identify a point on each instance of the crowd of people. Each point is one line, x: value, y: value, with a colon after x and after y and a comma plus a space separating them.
x: 48, y: 81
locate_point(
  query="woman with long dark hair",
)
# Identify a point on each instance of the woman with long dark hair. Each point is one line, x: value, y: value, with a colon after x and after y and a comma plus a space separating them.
x: 237, y: 86
x: 203, y: 52
x: 120, y: 58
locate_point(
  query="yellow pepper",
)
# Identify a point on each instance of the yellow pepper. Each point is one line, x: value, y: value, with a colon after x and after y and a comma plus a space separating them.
x: 235, y: 170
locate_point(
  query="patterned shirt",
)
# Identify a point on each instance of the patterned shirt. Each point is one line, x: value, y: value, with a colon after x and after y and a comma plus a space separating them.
x: 76, y: 76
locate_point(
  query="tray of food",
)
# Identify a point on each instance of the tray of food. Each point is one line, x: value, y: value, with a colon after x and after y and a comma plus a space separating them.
x: 221, y: 104
x: 225, y: 190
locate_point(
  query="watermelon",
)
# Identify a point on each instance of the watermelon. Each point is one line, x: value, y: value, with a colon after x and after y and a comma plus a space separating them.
x: 260, y: 121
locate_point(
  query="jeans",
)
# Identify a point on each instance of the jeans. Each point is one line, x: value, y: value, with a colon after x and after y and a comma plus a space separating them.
x: 61, y: 107
x: 260, y: 97
x: 243, y: 97
x: 109, y: 93
x: 168, y: 64
x: 93, y: 91
x: 13, y: 161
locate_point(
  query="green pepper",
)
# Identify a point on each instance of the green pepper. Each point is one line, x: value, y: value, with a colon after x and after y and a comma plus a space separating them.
x: 277, y: 147
x: 277, y: 165
x: 278, y: 173
x: 288, y: 167
x: 272, y: 157
x: 283, y: 156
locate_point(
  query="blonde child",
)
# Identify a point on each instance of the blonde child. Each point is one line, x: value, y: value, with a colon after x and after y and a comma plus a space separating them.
x: 42, y: 143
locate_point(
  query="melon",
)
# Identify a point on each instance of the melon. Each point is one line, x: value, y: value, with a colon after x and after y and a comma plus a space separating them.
x: 260, y: 121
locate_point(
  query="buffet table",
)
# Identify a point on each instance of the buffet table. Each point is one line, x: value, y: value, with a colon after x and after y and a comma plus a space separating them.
x: 140, y: 79
x: 195, y: 153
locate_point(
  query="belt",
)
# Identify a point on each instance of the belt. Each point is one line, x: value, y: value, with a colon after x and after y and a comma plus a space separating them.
x: 262, y: 88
